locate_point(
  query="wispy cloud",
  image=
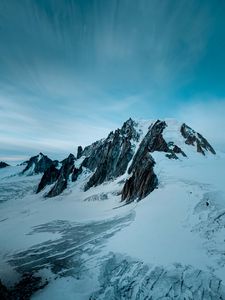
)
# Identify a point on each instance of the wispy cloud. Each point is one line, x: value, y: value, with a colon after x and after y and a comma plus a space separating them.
x: 73, y: 70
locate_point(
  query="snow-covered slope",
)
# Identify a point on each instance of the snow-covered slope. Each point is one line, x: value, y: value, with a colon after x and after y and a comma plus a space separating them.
x: 89, y: 245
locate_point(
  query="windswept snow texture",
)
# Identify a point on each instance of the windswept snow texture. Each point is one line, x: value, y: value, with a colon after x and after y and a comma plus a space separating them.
x: 64, y: 255
x: 89, y: 245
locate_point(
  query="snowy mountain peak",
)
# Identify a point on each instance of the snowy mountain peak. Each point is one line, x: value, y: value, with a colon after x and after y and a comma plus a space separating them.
x: 174, y: 237
x: 128, y: 151
x: 38, y: 164
x: 59, y: 177
x: 129, y: 129
x: 196, y: 139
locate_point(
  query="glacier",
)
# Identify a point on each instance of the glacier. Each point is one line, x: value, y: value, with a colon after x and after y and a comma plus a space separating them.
x: 88, y: 244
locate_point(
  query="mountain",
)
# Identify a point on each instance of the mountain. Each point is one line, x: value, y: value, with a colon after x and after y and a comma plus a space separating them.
x: 62, y: 176
x: 3, y: 164
x: 38, y: 164
x: 131, y: 145
x: 139, y: 214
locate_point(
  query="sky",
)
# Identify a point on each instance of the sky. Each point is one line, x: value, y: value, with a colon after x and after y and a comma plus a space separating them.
x: 73, y: 70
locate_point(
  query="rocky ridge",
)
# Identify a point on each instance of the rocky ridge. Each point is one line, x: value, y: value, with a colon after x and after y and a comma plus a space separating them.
x: 113, y: 155
x: 38, y: 164
x: 49, y: 177
x: 24, y: 289
x: 3, y: 164
x: 196, y: 139
x: 125, y: 151
x: 62, y: 176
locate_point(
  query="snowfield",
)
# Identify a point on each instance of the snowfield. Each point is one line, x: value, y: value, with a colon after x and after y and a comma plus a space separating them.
x: 89, y: 245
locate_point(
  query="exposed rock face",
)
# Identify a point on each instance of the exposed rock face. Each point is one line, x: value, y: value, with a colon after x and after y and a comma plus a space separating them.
x: 196, y: 139
x: 154, y: 137
x: 93, y: 154
x: 109, y: 158
x: 3, y: 165
x: 61, y: 183
x: 76, y: 173
x: 113, y: 155
x: 142, y: 182
x: 173, y: 150
x: 153, y: 141
x: 24, y: 289
x: 38, y: 164
x: 49, y: 177
x: 4, y: 292
x: 79, y: 152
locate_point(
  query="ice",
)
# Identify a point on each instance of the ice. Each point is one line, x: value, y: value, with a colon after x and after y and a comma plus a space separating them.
x: 88, y: 244
x: 124, y: 278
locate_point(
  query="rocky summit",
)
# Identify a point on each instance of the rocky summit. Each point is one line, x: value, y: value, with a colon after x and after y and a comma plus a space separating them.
x: 38, y: 164
x: 62, y: 177
x: 196, y: 139
x: 113, y: 154
x: 125, y: 151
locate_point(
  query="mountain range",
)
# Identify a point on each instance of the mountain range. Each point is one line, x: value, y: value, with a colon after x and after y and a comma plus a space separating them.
x: 139, y: 214
x: 127, y: 149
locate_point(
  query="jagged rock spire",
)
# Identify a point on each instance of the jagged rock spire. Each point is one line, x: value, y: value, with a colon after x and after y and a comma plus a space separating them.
x: 61, y: 177
x: 123, y: 151
x: 114, y: 154
x: 38, y: 164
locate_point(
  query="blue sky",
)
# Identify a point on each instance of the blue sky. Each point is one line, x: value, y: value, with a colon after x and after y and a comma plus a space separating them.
x: 72, y: 70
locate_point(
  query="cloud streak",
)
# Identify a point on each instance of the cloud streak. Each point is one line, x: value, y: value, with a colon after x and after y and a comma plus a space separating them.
x: 73, y: 70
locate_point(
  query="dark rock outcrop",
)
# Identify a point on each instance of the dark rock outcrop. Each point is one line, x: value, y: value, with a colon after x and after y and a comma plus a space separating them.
x: 196, y: 139
x: 4, y: 292
x: 112, y: 156
x: 24, y: 289
x: 109, y: 158
x: 79, y: 152
x: 49, y: 177
x: 76, y: 173
x: 64, y: 172
x: 154, y: 137
x: 153, y: 141
x: 38, y: 164
x: 142, y: 182
x: 173, y: 150
x: 3, y: 164
x: 93, y: 154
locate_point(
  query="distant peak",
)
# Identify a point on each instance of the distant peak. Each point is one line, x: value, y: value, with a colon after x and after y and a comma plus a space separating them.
x: 71, y: 156
x: 196, y: 139
x: 3, y: 164
x: 129, y: 122
x: 37, y: 164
